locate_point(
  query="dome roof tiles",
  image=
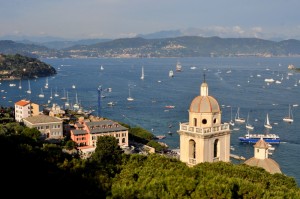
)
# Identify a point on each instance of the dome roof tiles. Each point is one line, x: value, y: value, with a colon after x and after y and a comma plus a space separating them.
x: 204, y: 104
x: 268, y: 164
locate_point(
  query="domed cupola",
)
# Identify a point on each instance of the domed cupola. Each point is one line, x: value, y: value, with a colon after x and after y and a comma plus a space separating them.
x: 204, y: 109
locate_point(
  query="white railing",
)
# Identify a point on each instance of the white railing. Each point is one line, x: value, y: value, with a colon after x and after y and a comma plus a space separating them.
x: 220, y: 128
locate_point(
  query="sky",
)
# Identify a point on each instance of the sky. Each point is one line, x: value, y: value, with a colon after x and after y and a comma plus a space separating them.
x: 85, y: 19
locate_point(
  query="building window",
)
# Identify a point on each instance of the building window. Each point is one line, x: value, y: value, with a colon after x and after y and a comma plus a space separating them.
x: 192, y: 149
x: 216, y: 148
x: 204, y: 121
x: 195, y: 121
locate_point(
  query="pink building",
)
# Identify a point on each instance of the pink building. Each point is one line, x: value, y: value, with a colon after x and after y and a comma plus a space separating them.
x: 86, y: 133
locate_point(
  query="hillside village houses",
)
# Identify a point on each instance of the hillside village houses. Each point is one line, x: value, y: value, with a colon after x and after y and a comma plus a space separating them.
x: 84, y: 132
x: 204, y: 138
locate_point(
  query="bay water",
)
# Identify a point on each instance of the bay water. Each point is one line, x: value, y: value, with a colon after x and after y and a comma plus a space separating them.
x: 234, y: 82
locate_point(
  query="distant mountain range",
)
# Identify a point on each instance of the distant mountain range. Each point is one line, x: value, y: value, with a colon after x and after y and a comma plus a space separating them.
x: 183, y: 46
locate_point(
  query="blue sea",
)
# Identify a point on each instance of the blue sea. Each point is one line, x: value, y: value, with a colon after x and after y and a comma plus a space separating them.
x: 234, y: 82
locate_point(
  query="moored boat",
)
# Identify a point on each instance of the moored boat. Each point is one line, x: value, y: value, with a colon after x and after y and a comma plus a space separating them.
x: 253, y: 138
x: 269, y: 80
x: 267, y: 122
x: 289, y: 118
x: 171, y: 73
x: 169, y: 106
x: 178, y: 67
x: 238, y: 118
x: 160, y: 137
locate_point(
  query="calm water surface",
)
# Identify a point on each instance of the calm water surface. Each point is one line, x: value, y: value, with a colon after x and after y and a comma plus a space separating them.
x: 234, y: 82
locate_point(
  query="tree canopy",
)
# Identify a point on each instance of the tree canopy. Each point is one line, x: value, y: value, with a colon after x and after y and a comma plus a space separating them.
x: 36, y: 169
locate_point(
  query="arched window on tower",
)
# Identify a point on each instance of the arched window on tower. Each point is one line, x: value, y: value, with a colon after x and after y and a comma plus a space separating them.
x: 195, y: 121
x: 216, y: 149
x: 192, y: 152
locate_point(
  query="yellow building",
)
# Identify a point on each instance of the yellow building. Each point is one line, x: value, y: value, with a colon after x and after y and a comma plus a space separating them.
x: 204, y: 138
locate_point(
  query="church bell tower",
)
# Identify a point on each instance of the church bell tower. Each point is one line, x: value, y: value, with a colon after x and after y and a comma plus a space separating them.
x: 204, y: 138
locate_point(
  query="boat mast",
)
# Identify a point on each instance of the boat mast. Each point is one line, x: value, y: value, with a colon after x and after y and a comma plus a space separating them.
x: 99, y: 101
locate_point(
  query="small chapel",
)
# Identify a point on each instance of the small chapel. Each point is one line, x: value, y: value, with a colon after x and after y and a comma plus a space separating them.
x: 204, y: 138
x: 261, y: 158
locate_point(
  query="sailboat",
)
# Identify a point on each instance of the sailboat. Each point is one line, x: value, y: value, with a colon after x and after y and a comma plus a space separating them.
x: 76, y: 105
x: 67, y: 104
x: 238, y: 118
x: 289, y: 118
x: 51, y: 94
x: 29, y: 89
x: 101, y: 67
x: 178, y: 66
x: 64, y: 97
x: 248, y: 125
x: 129, y: 98
x: 20, y: 84
x: 231, y: 122
x: 41, y: 95
x: 46, y: 85
x: 143, y: 75
x: 171, y: 73
x: 56, y: 93
x: 267, y: 122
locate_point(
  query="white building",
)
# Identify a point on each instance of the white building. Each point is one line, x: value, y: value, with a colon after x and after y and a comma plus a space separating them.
x: 25, y: 108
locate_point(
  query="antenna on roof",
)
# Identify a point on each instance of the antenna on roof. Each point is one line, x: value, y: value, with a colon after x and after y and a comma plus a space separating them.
x: 204, y: 77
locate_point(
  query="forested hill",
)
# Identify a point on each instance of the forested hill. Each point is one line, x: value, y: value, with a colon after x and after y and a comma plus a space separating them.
x: 186, y: 46
x: 19, y: 66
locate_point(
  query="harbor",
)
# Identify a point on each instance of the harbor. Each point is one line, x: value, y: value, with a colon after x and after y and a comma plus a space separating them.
x: 148, y: 110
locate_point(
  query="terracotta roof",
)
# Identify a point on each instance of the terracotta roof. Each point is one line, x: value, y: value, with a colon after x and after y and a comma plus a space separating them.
x: 268, y: 164
x: 41, y: 119
x: 204, y: 104
x: 22, y: 103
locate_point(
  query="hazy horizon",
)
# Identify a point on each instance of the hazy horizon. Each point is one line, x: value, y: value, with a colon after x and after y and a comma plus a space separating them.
x: 111, y: 19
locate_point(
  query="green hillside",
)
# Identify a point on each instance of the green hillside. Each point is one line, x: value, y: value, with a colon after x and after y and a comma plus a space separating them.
x: 19, y: 66
x: 186, y: 46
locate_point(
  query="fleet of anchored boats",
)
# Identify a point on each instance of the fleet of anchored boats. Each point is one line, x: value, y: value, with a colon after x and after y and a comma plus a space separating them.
x: 247, y: 138
x: 253, y: 138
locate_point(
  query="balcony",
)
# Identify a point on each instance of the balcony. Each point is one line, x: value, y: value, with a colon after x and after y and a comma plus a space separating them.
x: 204, y: 131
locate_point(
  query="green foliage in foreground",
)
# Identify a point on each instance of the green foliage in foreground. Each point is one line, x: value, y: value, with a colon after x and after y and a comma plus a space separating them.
x: 158, y: 177
x: 36, y: 169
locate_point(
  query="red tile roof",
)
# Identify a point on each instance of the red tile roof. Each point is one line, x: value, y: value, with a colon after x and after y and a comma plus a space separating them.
x: 22, y: 103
